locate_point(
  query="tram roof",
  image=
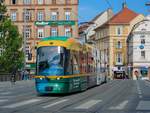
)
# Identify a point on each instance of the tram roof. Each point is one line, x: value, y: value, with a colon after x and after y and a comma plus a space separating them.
x: 70, y: 43
x: 62, y: 38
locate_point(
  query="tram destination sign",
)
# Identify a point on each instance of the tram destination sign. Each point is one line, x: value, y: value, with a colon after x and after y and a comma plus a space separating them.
x: 54, y: 23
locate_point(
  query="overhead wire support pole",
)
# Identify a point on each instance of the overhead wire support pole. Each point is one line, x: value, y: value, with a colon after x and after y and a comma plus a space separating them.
x: 24, y: 37
x: 109, y: 4
x: 147, y: 4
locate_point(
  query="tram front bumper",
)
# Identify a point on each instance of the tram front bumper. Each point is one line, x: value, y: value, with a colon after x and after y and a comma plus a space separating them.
x: 49, y: 88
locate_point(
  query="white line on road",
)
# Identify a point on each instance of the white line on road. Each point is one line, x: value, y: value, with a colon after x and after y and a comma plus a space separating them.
x: 140, y: 96
x: 120, y: 106
x: 3, y: 100
x: 1, y: 97
x: 143, y: 105
x: 139, y: 90
x: 140, y: 93
x: 5, y: 93
x: 22, y: 103
x: 47, y: 106
x: 88, y: 104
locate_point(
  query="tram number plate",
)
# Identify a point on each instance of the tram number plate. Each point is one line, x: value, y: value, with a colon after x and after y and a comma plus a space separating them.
x: 48, y: 88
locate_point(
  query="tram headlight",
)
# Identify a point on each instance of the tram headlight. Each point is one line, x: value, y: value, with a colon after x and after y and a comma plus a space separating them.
x: 41, y: 78
x: 58, y: 78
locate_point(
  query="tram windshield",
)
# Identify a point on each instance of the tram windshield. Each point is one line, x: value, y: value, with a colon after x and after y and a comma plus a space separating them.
x: 50, y: 61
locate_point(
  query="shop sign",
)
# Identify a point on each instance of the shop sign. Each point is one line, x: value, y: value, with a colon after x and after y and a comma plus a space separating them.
x: 54, y: 23
x: 31, y: 66
x: 141, y: 46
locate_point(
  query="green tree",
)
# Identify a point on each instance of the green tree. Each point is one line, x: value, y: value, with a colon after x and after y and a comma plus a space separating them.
x: 12, y: 56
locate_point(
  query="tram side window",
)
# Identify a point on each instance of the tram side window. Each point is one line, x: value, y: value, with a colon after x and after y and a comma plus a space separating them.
x: 68, y: 64
x: 81, y: 63
x: 75, y: 63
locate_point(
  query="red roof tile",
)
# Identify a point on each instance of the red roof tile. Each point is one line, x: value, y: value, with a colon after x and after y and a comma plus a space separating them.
x: 124, y: 16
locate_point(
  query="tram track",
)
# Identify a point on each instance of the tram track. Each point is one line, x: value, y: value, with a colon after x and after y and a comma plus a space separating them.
x: 73, y: 99
x: 85, y: 97
x: 114, y: 85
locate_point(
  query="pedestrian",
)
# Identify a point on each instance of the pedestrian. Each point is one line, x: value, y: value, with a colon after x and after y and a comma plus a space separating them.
x: 13, y: 77
x: 136, y: 74
x: 26, y: 75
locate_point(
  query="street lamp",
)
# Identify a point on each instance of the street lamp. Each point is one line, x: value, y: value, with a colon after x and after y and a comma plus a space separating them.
x: 24, y: 36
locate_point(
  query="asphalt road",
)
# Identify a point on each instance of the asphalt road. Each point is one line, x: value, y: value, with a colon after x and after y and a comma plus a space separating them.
x: 118, y: 96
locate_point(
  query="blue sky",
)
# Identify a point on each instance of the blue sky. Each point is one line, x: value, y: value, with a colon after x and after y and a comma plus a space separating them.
x: 88, y: 9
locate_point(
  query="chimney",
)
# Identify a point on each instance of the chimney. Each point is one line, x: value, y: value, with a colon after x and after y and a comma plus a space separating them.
x: 124, y: 5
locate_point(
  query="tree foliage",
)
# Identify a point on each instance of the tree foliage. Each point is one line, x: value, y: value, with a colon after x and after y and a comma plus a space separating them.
x: 12, y: 55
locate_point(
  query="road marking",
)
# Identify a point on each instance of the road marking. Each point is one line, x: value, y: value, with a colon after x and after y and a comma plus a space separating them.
x: 120, y: 106
x: 5, y: 93
x: 1, y: 97
x: 50, y: 105
x: 139, y: 90
x: 22, y: 103
x: 143, y: 105
x: 88, y: 104
x: 140, y: 96
x: 140, y: 93
x: 147, y: 83
x: 3, y: 100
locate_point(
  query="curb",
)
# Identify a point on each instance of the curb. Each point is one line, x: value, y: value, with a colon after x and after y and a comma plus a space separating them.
x: 148, y: 80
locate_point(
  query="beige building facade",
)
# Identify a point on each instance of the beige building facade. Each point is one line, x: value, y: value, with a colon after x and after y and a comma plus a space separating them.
x: 37, y: 19
x: 112, y: 37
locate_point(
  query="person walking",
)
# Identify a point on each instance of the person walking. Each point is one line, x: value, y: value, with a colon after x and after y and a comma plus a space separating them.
x: 13, y: 77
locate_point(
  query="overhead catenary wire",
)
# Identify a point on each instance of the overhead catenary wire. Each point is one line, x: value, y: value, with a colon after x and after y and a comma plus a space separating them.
x: 109, y: 4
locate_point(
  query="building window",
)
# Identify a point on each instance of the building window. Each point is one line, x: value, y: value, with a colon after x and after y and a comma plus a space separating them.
x: 27, y: 32
x: 27, y: 15
x: 143, y: 54
x: 40, y: 33
x: 68, y: 1
x: 14, y: 2
x: 27, y: 2
x: 119, y: 58
x: 119, y: 30
x: 40, y: 16
x: 142, y: 41
x: 67, y: 15
x: 54, y: 16
x: 119, y: 45
x: 53, y: 2
x: 142, y: 36
x: 143, y: 29
x: 40, y: 2
x: 54, y: 31
x: 28, y: 52
x: 68, y: 32
x: 13, y: 16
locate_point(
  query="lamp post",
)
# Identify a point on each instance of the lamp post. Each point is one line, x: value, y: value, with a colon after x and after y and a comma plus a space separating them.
x: 24, y: 36
x: 148, y: 4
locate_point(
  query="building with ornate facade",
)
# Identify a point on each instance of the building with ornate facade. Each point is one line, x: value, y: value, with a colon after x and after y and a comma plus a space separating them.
x: 111, y: 39
x: 139, y: 50
x: 37, y: 19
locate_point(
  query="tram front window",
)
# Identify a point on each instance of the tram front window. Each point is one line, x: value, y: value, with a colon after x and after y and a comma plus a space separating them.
x: 50, y: 61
